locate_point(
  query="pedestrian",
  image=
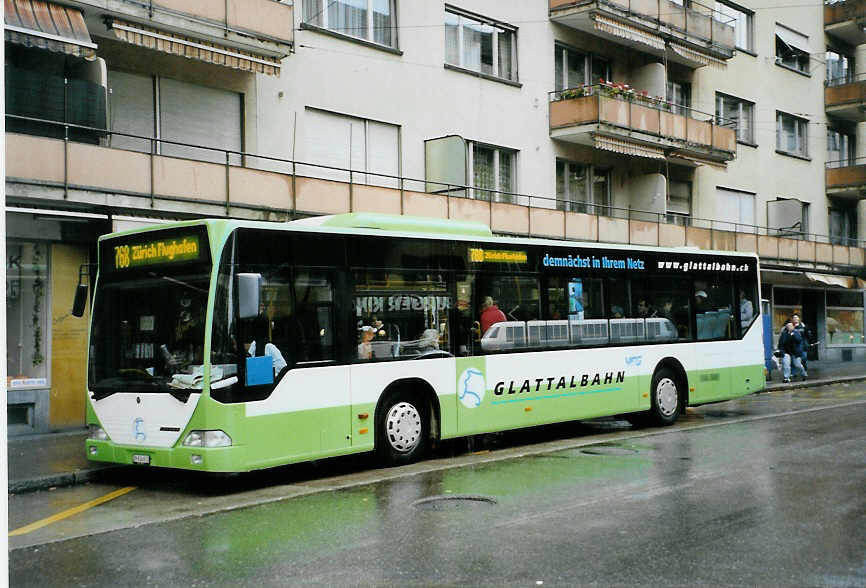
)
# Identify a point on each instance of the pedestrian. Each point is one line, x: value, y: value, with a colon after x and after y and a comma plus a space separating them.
x: 789, y: 344
x: 805, y: 336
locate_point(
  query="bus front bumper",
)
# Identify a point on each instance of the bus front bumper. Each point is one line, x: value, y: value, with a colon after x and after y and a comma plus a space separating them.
x: 205, y: 459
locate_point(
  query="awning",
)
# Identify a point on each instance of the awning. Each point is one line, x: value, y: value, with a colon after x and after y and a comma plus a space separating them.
x: 793, y: 39
x: 627, y: 147
x: 838, y: 281
x: 697, y: 57
x: 805, y: 279
x: 628, y: 32
x: 202, y: 50
x: 44, y: 25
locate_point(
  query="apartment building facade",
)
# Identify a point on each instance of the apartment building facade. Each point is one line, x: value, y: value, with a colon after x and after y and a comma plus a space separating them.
x: 658, y: 123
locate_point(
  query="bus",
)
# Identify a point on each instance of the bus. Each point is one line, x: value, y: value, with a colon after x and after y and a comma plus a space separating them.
x: 230, y: 345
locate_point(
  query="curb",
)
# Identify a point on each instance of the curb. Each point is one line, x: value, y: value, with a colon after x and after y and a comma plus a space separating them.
x: 56, y: 480
x: 808, y: 383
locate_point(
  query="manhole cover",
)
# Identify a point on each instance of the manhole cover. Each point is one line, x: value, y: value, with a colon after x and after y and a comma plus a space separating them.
x: 608, y: 450
x: 453, y: 502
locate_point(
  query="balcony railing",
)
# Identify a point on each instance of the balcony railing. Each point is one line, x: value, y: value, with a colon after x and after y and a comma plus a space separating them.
x: 695, y: 23
x: 845, y: 96
x: 249, y: 185
x: 234, y: 20
x: 838, y: 12
x: 846, y: 178
x: 681, y: 128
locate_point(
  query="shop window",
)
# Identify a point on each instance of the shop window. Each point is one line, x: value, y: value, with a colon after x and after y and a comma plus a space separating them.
x: 786, y: 302
x: 26, y: 310
x: 844, y: 318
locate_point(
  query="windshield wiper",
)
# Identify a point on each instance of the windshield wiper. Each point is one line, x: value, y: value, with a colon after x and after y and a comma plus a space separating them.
x: 178, y: 282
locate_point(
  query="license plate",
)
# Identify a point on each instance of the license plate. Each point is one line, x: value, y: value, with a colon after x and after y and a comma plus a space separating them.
x: 141, y: 459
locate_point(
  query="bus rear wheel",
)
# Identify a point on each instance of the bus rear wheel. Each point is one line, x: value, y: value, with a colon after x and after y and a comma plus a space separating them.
x: 665, y: 397
x: 403, y: 430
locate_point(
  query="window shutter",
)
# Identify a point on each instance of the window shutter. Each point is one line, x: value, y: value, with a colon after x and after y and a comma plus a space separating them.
x: 131, y: 110
x: 198, y: 115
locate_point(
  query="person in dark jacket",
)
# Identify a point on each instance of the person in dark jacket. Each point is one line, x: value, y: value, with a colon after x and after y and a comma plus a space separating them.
x: 790, y: 344
x: 805, y: 335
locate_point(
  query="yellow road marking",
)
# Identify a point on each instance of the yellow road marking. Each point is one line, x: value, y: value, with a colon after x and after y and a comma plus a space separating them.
x: 71, y: 512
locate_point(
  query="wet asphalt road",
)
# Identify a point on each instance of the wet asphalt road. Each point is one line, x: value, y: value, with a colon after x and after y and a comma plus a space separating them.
x: 778, y: 500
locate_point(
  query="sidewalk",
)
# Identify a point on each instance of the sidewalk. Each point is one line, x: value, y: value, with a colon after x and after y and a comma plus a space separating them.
x: 37, y: 462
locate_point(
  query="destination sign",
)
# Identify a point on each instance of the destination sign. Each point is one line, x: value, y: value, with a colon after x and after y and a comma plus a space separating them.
x: 496, y: 256
x: 157, y: 252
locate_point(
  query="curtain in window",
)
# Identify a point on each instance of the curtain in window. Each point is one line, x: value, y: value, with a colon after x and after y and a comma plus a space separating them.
x: 452, y: 39
x: 382, y: 26
x: 559, y: 69
x: 576, y: 69
x: 506, y: 181
x: 600, y: 193
x: 348, y: 17
x: 506, y: 55
x: 471, y: 44
x: 483, y: 172
x: 313, y: 12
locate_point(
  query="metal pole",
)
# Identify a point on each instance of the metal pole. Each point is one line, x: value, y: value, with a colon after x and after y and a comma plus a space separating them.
x: 228, y: 186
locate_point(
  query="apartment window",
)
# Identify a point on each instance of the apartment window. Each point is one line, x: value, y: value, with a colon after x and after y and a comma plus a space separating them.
x: 679, y: 202
x: 481, y: 45
x: 574, y: 68
x: 734, y: 209
x: 370, y: 149
x: 843, y: 223
x: 840, y: 149
x: 370, y: 20
x: 741, y: 20
x: 789, y: 217
x: 582, y: 188
x: 195, y: 122
x: 792, y: 49
x: 679, y: 94
x: 738, y: 112
x: 493, y: 172
x: 839, y: 68
x: 792, y: 136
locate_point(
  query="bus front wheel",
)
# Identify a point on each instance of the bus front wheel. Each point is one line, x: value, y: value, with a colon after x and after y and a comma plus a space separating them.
x: 403, y: 430
x: 665, y: 397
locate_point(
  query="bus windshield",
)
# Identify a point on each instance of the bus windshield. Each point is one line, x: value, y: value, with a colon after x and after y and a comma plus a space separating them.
x: 148, y: 331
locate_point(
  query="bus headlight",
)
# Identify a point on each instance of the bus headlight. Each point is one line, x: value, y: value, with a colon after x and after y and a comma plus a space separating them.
x: 97, y: 433
x: 207, y: 439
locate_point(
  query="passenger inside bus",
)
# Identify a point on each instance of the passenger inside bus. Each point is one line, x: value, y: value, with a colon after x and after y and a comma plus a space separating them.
x: 260, y: 345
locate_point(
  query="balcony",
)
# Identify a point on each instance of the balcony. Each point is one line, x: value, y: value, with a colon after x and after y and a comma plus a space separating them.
x: 845, y: 20
x: 696, y: 34
x: 66, y: 175
x: 607, y: 117
x: 846, y: 98
x: 846, y: 179
x: 261, y: 27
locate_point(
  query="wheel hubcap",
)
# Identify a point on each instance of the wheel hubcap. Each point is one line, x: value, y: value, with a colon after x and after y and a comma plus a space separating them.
x: 403, y: 427
x: 666, y: 396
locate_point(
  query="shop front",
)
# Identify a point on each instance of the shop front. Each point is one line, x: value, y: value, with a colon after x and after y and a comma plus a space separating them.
x: 46, y: 347
x: 832, y: 307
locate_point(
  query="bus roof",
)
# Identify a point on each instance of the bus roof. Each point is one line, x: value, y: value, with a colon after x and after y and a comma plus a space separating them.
x: 399, y: 223
x: 368, y: 223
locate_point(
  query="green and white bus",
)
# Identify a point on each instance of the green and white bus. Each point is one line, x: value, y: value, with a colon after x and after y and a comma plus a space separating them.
x: 229, y: 345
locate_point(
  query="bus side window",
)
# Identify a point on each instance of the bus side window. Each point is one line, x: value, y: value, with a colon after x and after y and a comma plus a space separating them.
x: 714, y: 309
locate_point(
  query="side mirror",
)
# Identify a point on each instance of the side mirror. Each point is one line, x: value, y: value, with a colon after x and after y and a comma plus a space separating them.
x: 80, y: 301
x: 249, y: 295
